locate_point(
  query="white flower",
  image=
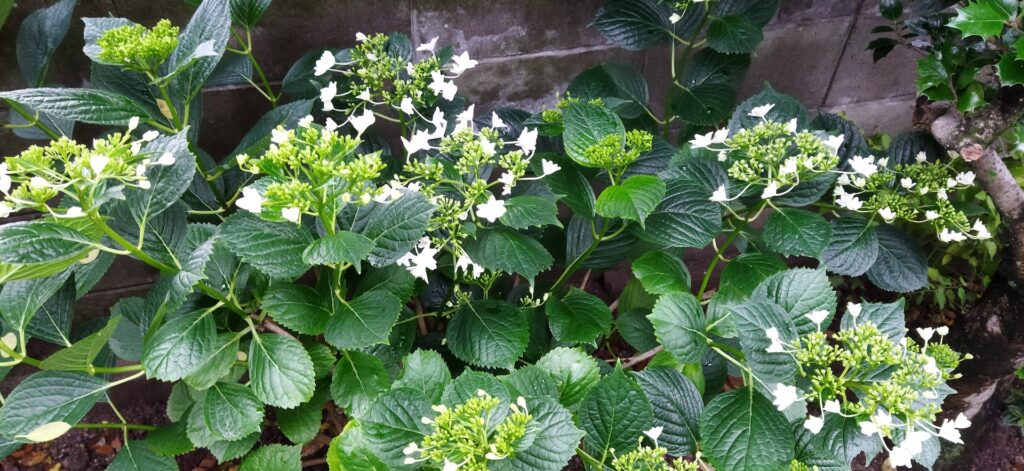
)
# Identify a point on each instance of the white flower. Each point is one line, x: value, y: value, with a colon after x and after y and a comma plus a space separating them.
x: 548, y: 167
x: 832, y: 406
x: 814, y: 424
x: 701, y: 141
x: 165, y: 159
x: 873, y: 426
x: 5, y: 178
x: 941, y: 194
x: 97, y: 162
x: 491, y: 210
x: 133, y: 123
x: 327, y: 95
x: 428, y: 46
x: 324, y: 63
x: 777, y: 346
x: 834, y: 142
x: 251, y: 201
x: 785, y: 396
x: 788, y: 167
x: 38, y: 182
x: 73, y: 212
x: 331, y: 125
x: 930, y: 367
x: 527, y: 141
x: 407, y: 107
x: 306, y: 121
x: 419, y: 263
x: 961, y: 421
x: 849, y: 201
x: 925, y: 333
x: 361, y: 37
x: 413, y: 447
x: 949, y: 432
x: 853, y: 309
x: 900, y: 457
x: 464, y: 263
x: 843, y: 179
x: 817, y: 317
x: 279, y: 136
x: 509, y: 180
x: 364, y: 95
x: 360, y: 123
x: 149, y: 136
x: 496, y: 122
x: 420, y: 141
x: 907, y: 183
x: 887, y: 214
x: 949, y: 236
x: 921, y: 157
x: 145, y: 184
x: 449, y: 466
x: 5, y: 209
x: 465, y: 119
x: 654, y: 433
x: 442, y: 87
x: 674, y: 18
x: 930, y: 215
x: 761, y: 111
x: 863, y: 165
x: 942, y: 331
x: 440, y: 124
x: 720, y: 195
x: 791, y: 125
x: 291, y: 214
x: 771, y: 190
x: 981, y: 230
x: 462, y: 63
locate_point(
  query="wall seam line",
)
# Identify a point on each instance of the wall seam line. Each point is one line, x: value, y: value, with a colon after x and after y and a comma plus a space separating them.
x: 842, y: 54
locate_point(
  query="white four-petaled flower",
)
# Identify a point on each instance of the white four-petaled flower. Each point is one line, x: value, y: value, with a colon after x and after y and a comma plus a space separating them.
x: 361, y: 122
x: 527, y: 141
x: 251, y: 201
x: 761, y: 111
x: 491, y: 210
x: 785, y: 396
x: 462, y: 63
x: 428, y: 46
x: 324, y: 63
x: 548, y: 167
x: 327, y: 95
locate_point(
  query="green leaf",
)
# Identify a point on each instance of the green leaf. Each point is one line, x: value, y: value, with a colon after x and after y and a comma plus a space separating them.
x: 531, y: 382
x: 679, y: 325
x: 686, y: 217
x: 984, y: 17
x: 425, y: 371
x: 842, y: 436
x: 351, y: 452
x: 662, y: 273
x: 46, y: 397
x: 791, y: 231
x: 489, y: 333
x: 135, y: 455
x: 677, y: 408
x: 273, y: 458
x: 578, y: 317
x: 972, y: 97
x: 359, y: 378
x: 784, y: 109
x: 274, y: 248
x: 585, y: 126
x: 5, y: 11
x: 232, y: 411
x: 52, y: 320
x: 854, y: 246
x: 248, y: 12
x: 297, y: 307
x: 1011, y: 71
x: 523, y: 212
x: 613, y: 415
x: 393, y: 422
x: 554, y: 444
x: 901, y: 266
x: 170, y: 439
x: 39, y: 37
x: 633, y: 24
x: 209, y: 28
x: 574, y: 371
x: 704, y: 104
x: 614, y: 83
x: 633, y: 199
x: 169, y: 182
x: 800, y: 291
x: 364, y: 321
x: 280, y: 371
x: 574, y: 189
x: 41, y: 242
x: 342, y: 247
x: 508, y: 251
x: 933, y: 80
x: 227, y: 451
x: 180, y: 346
x: 752, y: 318
x: 80, y: 355
x: 888, y: 317
x: 734, y: 35
x: 743, y: 431
x: 79, y: 104
x: 393, y: 227
x: 302, y: 424
x: 21, y: 300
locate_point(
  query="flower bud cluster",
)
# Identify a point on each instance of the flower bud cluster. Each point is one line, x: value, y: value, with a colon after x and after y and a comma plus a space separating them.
x: 137, y: 48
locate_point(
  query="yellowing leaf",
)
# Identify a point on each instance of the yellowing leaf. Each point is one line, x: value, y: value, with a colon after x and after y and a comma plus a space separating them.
x: 47, y: 432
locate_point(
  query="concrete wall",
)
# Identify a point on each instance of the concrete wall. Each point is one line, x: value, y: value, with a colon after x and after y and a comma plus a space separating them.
x: 528, y: 51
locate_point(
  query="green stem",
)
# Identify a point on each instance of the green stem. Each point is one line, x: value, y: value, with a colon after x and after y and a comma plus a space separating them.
x: 147, y: 428
x: 17, y: 108
x: 117, y: 369
x: 589, y: 459
x: 736, y: 353
x: 18, y: 357
x: 270, y: 95
x: 714, y: 263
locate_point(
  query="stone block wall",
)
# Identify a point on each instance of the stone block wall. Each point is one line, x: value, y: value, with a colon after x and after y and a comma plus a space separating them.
x: 528, y: 51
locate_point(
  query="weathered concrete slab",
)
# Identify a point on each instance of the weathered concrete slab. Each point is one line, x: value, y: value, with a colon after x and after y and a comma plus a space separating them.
x: 891, y: 116
x: 860, y: 79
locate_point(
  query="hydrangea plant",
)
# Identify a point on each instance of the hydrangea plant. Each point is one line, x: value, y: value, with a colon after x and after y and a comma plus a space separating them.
x: 426, y: 306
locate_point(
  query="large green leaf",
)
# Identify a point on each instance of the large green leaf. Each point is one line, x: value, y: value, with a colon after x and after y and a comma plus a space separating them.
x: 80, y: 355
x: 633, y: 199
x: 554, y: 444
x: 359, y: 378
x: 136, y: 455
x: 168, y: 182
x: 578, y: 317
x: 841, y: 436
x: 900, y: 266
x: 297, y: 307
x: 38, y: 38
x: 800, y: 291
x: 752, y: 318
x: 41, y: 242
x: 280, y: 371
x: 302, y: 424
x: 393, y: 422
x: 218, y: 363
x: 180, y: 346
x: 574, y: 189
x: 393, y: 227
x: 784, y: 108
x: 734, y: 35
x: 509, y: 251
x: 523, y: 212
x: 79, y: 104
x: 613, y: 415
x: 208, y: 30
x: 854, y: 247
x: 704, y: 104
x: 425, y: 371
x: 47, y: 397
x: 662, y: 273
x: 21, y: 300
x: 256, y: 141
x: 677, y: 408
x: 342, y: 247
x: 679, y: 325
x: 273, y: 458
x: 232, y: 411
x: 574, y: 371
x: 170, y: 440
x: 888, y: 317
x: 351, y: 452
x: 52, y: 321
x: 797, y: 232
x: 363, y: 321
x: 248, y: 12
x: 586, y: 125
x: 639, y: 24
x: 275, y: 248
x: 621, y: 87
x: 984, y: 17
x: 489, y: 333
x: 743, y: 431
x: 686, y: 217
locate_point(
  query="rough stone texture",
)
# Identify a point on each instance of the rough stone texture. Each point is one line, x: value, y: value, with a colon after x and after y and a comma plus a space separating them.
x: 859, y: 79
x: 890, y: 116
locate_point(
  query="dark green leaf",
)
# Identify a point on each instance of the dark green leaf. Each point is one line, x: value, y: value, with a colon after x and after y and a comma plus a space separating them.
x: 662, y: 273
x: 489, y: 333
x: 523, y: 212
x: 393, y: 422
x: 80, y: 355
x: 47, y: 397
x: 613, y: 415
x: 797, y: 232
x: 679, y: 325
x: 359, y: 378
x: 297, y: 307
x: 984, y: 17
x: 574, y: 371
x: 854, y: 247
x: 633, y: 199
x: 273, y: 458
x: 40, y: 242
x: 734, y: 35
x: 232, y: 411
x: 586, y: 125
x: 210, y: 26
x: 180, y: 346
x: 275, y: 248
x: 677, y: 407
x: 79, y: 104
x: 633, y: 24
x: 135, y: 455
x: 38, y: 38
x: 280, y: 371
x: 578, y: 317
x: 900, y: 266
x: 425, y: 371
x: 248, y: 12
x: 508, y: 251
x: 743, y: 431
x: 393, y: 227
x: 364, y: 321
x: 342, y: 247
